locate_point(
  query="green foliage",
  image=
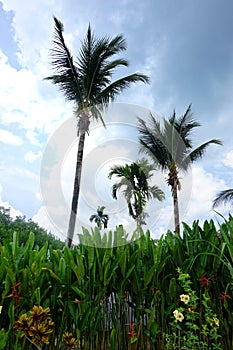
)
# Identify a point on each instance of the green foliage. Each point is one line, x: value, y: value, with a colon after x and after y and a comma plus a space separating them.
x: 8, y: 226
x: 121, y: 297
x: 187, y: 331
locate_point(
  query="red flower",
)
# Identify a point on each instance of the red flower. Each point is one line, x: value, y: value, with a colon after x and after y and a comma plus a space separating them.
x: 224, y: 296
x: 204, y: 280
x: 132, y: 331
x: 125, y: 296
x: 15, y: 295
x: 14, y: 290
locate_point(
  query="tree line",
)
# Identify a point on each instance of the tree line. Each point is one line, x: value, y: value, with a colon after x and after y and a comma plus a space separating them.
x: 8, y: 226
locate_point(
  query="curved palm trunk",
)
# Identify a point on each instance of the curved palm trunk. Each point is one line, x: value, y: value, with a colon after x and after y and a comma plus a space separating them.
x: 176, y: 208
x: 77, y: 181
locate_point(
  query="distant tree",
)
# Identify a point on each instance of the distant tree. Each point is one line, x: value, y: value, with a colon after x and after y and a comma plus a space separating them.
x: 134, y: 179
x: 223, y: 197
x: 87, y: 82
x: 100, y: 218
x: 8, y: 226
x: 171, y: 148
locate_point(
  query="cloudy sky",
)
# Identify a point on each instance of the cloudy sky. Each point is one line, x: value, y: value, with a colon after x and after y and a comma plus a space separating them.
x: 185, y: 46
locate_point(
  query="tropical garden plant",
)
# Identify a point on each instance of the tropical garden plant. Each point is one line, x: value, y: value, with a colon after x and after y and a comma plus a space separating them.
x: 119, y: 297
x: 135, y: 184
x: 87, y: 83
x: 170, y: 146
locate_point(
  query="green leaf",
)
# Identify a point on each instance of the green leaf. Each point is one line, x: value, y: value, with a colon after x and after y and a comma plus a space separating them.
x: 78, y: 291
x: 149, y: 275
x: 112, y: 339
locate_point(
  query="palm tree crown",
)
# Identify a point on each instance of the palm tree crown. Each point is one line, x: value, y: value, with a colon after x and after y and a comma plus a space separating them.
x: 134, y: 178
x: 87, y: 82
x: 171, y: 148
x: 100, y: 218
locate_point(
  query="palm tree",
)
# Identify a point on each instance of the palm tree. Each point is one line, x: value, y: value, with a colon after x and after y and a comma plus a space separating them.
x: 100, y: 218
x: 224, y: 197
x: 87, y: 82
x: 135, y: 178
x: 171, y: 148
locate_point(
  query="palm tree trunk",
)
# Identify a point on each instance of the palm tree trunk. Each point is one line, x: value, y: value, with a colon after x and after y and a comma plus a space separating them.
x: 77, y: 181
x: 176, y: 208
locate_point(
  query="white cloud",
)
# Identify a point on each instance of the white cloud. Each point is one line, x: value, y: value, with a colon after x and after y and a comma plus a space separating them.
x: 204, y: 189
x: 228, y: 159
x: 38, y: 196
x: 9, y: 138
x: 43, y: 220
x: 29, y: 24
x: 22, y: 101
x: 32, y: 156
x: 32, y: 137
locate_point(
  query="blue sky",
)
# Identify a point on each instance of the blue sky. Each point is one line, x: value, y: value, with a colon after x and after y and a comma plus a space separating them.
x: 185, y: 46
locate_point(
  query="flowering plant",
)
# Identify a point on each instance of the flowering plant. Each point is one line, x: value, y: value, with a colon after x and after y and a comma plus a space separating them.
x: 188, y: 331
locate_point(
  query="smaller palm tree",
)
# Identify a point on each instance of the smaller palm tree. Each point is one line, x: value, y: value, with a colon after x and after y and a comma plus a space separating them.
x: 223, y: 197
x: 170, y: 146
x: 134, y: 178
x: 100, y: 218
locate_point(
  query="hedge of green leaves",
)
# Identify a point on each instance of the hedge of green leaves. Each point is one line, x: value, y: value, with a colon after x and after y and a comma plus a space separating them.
x: 125, y: 297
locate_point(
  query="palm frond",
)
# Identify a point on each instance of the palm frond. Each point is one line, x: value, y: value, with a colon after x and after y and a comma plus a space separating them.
x: 94, y: 65
x: 223, y: 197
x: 115, y: 188
x: 66, y: 73
x: 156, y: 192
x: 184, y: 125
x: 111, y: 91
x: 174, y: 144
x: 93, y: 217
x: 153, y: 142
x: 200, y: 150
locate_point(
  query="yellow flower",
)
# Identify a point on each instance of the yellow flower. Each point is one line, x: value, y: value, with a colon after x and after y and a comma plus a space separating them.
x: 175, y: 313
x: 184, y: 298
x: 178, y: 315
x: 216, y: 321
x: 0, y: 309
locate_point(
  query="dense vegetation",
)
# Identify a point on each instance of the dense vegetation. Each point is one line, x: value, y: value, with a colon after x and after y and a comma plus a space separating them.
x: 24, y: 227
x: 123, y: 297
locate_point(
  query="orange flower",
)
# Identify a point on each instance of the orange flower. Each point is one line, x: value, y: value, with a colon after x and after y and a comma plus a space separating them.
x: 132, y: 332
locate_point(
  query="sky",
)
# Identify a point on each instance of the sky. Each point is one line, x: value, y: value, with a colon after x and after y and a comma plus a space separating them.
x: 186, y: 49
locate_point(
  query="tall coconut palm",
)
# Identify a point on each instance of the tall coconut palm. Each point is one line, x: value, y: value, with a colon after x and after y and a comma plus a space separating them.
x: 171, y: 148
x: 134, y: 178
x: 223, y: 197
x: 100, y: 218
x: 87, y: 82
